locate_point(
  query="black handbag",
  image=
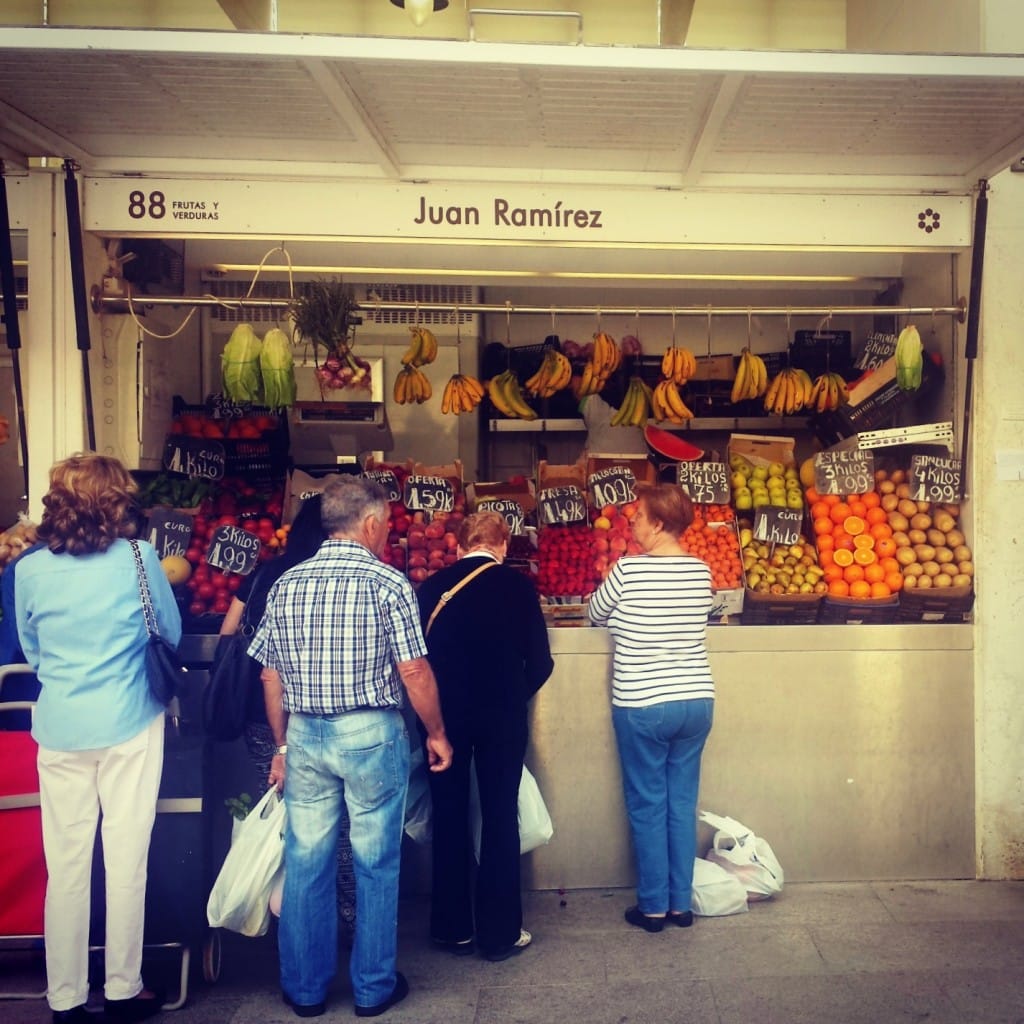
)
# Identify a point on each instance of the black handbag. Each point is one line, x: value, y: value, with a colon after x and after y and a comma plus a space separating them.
x: 164, y: 669
x: 226, y: 696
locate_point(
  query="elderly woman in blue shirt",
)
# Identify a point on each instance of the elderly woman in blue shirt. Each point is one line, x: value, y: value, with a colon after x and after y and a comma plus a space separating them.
x: 100, y: 731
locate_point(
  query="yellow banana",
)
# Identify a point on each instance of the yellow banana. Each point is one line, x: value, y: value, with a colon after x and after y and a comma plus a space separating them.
x: 448, y: 397
x: 474, y: 388
x: 429, y: 353
x: 399, y: 390
x: 760, y: 375
x: 413, y: 354
x: 820, y: 394
x: 676, y: 405
x: 642, y: 411
x: 623, y: 414
x: 668, y: 362
x: 497, y: 397
x: 514, y: 397
x: 842, y: 392
x: 741, y: 384
x: 771, y: 396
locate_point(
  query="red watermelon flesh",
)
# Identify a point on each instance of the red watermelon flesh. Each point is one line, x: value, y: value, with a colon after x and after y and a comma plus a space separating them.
x: 671, y: 446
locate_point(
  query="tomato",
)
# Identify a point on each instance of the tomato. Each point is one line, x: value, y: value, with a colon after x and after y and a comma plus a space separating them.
x: 221, y: 605
x: 196, y: 608
x: 234, y: 581
x: 194, y: 554
x: 206, y: 591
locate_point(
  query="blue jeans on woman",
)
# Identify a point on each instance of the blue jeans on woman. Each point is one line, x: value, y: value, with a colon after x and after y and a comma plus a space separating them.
x: 660, y: 747
x: 361, y: 757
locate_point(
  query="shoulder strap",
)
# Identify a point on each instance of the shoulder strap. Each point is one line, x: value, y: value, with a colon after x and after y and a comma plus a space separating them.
x: 148, y: 612
x: 449, y: 594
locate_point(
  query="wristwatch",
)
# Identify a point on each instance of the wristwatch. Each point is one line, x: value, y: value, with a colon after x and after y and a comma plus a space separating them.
x: 283, y: 749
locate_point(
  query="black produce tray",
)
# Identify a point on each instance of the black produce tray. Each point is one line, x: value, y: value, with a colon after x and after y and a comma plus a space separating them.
x: 936, y: 605
x: 846, y: 611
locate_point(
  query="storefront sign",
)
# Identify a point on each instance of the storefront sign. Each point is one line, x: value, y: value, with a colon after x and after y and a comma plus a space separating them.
x: 933, y: 478
x: 511, y: 510
x: 233, y: 550
x: 849, y: 471
x: 777, y: 525
x: 169, y: 531
x: 194, y: 457
x: 612, y: 486
x: 429, y: 493
x: 561, y: 505
x: 707, y: 483
x: 387, y: 479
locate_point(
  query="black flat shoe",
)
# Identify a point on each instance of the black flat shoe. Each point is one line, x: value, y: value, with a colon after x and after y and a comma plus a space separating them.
x: 401, y: 990
x: 684, y: 920
x: 127, y: 1011
x: 496, y: 956
x: 635, y: 916
x: 304, y: 1009
x: 76, y: 1015
x: 463, y: 947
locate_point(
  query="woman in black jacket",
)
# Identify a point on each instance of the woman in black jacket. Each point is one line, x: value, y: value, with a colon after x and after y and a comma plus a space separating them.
x: 488, y: 647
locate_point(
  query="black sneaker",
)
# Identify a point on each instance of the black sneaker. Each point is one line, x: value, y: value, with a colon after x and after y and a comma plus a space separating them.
x: 400, y: 991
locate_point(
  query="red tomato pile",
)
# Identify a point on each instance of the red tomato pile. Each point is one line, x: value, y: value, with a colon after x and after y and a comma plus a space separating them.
x: 717, y: 545
x: 204, y: 425
x: 565, y: 558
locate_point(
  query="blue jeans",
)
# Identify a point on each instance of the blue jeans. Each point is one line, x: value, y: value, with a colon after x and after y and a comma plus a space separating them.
x: 660, y: 749
x: 361, y: 757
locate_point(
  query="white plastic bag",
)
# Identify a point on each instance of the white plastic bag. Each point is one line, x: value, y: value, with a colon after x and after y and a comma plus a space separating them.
x: 716, y: 893
x: 240, y: 898
x: 746, y: 856
x: 535, y: 827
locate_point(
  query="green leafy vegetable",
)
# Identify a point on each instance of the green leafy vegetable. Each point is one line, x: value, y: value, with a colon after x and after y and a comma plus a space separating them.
x: 240, y: 365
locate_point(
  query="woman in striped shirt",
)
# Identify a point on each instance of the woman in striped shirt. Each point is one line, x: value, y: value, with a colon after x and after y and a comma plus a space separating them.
x: 656, y: 608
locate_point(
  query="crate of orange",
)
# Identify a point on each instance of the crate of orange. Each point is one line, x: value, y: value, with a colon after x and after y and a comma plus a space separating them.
x: 857, y: 553
x: 712, y: 537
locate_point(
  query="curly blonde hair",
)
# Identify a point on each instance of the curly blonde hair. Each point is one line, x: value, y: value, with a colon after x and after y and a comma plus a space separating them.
x: 90, y: 504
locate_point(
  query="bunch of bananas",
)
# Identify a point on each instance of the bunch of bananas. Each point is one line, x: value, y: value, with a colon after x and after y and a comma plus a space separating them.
x: 462, y: 393
x: 668, y: 405
x: 422, y: 349
x: 828, y: 393
x: 554, y: 374
x: 678, y: 365
x: 789, y: 392
x: 636, y: 405
x: 601, y: 365
x: 411, y: 385
x: 751, y: 377
x: 503, y: 391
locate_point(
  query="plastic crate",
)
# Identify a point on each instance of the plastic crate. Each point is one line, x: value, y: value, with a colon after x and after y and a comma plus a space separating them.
x: 780, y: 609
x: 847, y: 611
x: 953, y: 605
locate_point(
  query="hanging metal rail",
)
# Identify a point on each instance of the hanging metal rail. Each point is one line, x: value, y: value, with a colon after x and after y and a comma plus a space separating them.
x: 112, y: 303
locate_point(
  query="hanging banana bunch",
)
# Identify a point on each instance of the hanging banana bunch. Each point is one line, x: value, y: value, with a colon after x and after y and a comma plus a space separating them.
x: 554, y: 374
x: 505, y: 395
x: 667, y: 405
x: 636, y: 405
x: 828, y: 393
x: 601, y: 365
x: 678, y: 365
x: 422, y: 348
x: 751, y: 377
x: 411, y: 385
x: 462, y: 393
x: 789, y: 392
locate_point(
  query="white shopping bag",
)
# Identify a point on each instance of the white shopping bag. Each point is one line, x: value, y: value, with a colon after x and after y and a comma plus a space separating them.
x: 745, y: 855
x: 240, y: 898
x: 535, y: 827
x: 716, y: 893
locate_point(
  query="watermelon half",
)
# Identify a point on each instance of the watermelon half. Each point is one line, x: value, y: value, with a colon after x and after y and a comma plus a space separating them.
x: 671, y: 446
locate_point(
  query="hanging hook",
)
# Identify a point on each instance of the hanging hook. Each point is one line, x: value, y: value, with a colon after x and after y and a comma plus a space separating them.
x: 458, y: 324
x: 673, y: 327
x: 709, y: 329
x: 553, y: 331
x: 598, y: 311
x: 750, y: 329
x: 508, y: 323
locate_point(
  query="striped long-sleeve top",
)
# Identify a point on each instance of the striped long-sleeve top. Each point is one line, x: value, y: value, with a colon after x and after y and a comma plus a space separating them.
x: 656, y: 608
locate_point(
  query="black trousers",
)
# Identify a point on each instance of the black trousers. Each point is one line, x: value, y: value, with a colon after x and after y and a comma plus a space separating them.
x: 492, y: 907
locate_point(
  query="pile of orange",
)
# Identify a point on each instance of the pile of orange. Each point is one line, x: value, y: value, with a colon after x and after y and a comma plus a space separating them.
x: 855, y: 545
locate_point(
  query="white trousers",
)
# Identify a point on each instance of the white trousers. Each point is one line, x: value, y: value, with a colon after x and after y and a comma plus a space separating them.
x: 74, y: 787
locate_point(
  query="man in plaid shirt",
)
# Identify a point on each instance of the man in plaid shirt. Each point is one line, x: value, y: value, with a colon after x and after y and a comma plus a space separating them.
x: 340, y: 639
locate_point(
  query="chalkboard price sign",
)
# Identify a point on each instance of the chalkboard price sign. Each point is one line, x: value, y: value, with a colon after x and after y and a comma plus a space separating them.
x: 511, y: 510
x: 387, y: 479
x: 934, y: 478
x: 877, y: 349
x: 233, y: 550
x: 612, y: 486
x: 851, y: 471
x: 561, y: 505
x: 169, y: 531
x: 195, y: 457
x: 429, y: 493
x: 777, y: 525
x: 707, y: 483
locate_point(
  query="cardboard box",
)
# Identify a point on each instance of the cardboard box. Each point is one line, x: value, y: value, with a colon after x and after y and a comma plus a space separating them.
x: 726, y: 605
x: 524, y: 493
x: 715, y: 368
x: 643, y: 469
x: 450, y: 471
x: 550, y: 474
x: 763, y: 449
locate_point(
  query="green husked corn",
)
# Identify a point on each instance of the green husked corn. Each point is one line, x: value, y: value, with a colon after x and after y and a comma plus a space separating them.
x: 278, y: 369
x: 240, y: 365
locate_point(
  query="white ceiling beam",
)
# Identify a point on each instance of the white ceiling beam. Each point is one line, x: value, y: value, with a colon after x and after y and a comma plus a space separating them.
x: 38, y: 141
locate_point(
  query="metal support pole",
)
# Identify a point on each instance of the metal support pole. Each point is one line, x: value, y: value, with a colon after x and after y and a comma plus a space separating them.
x: 78, y: 289
x: 13, y: 327
x: 973, y: 318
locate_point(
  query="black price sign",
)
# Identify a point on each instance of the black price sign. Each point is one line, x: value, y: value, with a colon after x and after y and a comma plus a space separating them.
x: 233, y: 550
x: 877, y: 349
x: 561, y: 505
x: 778, y: 525
x: 169, y: 531
x: 851, y: 471
x: 612, y: 486
x: 429, y: 493
x: 511, y: 510
x: 387, y: 479
x: 194, y: 457
x: 934, y: 478
x: 707, y: 483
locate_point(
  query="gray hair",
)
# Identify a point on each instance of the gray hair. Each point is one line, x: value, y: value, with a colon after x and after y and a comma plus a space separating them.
x: 348, y: 500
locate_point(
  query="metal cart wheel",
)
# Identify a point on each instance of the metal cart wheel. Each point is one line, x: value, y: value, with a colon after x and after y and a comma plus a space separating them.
x: 212, y: 956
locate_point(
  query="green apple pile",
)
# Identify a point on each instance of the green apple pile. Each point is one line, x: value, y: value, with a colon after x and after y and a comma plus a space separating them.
x: 756, y: 485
